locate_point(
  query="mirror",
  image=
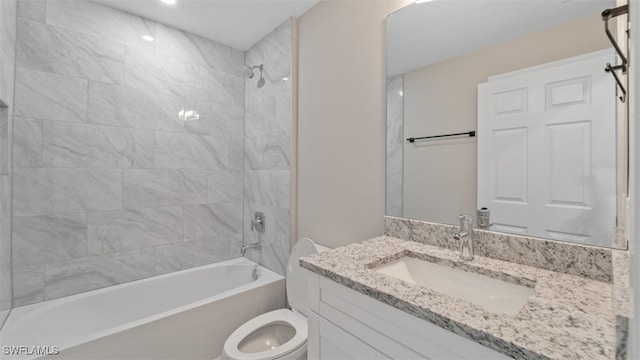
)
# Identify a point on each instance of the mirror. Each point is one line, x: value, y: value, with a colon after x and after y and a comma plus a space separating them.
x: 525, y: 78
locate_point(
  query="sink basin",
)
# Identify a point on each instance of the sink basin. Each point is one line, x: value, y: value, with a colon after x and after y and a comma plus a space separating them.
x: 494, y: 295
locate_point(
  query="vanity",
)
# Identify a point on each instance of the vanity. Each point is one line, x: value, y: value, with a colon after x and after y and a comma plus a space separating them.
x: 364, y: 304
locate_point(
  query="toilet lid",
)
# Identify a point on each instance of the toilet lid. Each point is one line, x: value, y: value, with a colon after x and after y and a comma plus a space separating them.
x: 297, y: 276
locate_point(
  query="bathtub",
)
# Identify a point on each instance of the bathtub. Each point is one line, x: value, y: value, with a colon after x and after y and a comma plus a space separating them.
x: 186, y: 314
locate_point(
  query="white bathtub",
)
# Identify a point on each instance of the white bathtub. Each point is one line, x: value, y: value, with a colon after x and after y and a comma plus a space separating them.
x: 186, y: 314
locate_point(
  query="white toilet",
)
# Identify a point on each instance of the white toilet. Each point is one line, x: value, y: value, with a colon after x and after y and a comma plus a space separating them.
x: 279, y: 334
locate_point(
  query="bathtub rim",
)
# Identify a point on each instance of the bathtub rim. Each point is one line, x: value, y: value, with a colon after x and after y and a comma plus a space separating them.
x: 24, y: 313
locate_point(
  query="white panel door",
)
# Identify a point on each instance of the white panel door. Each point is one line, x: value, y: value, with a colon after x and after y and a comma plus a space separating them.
x: 546, y: 150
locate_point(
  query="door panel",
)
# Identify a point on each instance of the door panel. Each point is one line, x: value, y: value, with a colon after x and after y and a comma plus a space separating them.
x: 568, y: 92
x: 569, y: 164
x: 510, y: 167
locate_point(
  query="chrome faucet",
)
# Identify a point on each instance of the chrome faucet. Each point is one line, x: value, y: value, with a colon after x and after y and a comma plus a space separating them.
x: 465, y: 235
x: 254, y: 246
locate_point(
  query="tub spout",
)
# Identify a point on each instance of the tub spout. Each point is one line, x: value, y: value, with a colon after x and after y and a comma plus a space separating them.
x: 254, y: 246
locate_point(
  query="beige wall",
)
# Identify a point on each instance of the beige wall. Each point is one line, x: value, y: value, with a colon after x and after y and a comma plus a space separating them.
x: 442, y: 98
x: 341, y: 134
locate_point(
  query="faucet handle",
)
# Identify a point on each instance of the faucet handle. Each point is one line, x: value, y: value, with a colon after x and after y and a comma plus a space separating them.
x: 465, y: 219
x: 258, y: 224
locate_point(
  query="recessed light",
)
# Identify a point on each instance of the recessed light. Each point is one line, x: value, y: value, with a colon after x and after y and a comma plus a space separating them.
x: 169, y: 2
x: 147, y: 37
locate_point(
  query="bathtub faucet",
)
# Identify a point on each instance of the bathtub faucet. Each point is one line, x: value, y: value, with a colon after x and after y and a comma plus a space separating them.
x: 254, y: 246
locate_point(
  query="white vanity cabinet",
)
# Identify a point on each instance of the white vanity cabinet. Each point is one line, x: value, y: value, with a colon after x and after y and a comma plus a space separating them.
x: 345, y: 324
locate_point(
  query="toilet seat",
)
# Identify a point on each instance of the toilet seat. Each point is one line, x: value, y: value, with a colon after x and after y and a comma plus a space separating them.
x: 261, y: 327
x: 292, y: 318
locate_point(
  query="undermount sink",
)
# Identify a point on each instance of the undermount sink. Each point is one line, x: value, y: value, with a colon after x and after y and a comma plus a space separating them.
x: 492, y: 294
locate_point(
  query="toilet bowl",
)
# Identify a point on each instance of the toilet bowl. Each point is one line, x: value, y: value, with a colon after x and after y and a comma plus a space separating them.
x: 279, y: 334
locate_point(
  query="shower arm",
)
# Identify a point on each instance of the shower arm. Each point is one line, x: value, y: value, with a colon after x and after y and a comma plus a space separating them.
x: 250, y: 70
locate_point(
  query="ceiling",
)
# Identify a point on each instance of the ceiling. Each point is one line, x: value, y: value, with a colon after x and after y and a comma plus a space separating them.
x: 237, y: 23
x: 426, y: 33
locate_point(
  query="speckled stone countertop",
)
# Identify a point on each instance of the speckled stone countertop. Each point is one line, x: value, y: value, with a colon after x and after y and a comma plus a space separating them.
x: 567, y: 317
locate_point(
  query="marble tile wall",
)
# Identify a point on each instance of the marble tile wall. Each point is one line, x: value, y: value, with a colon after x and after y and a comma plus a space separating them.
x: 267, y: 184
x: 8, y: 19
x: 110, y: 183
x: 395, y: 143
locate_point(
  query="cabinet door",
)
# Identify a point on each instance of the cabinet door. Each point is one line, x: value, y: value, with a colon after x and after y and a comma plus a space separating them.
x: 328, y: 342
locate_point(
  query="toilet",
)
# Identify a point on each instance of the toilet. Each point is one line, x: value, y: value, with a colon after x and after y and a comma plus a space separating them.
x: 279, y: 334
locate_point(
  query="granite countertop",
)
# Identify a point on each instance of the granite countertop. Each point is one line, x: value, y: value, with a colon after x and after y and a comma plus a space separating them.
x: 567, y: 317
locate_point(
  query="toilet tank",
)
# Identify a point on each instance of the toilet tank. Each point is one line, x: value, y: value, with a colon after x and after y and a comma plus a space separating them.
x: 297, y: 276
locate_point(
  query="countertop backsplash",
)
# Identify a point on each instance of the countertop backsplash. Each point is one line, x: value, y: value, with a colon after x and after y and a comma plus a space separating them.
x: 574, y: 259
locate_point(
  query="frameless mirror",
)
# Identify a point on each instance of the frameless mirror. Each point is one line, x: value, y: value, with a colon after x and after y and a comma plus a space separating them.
x: 506, y: 105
